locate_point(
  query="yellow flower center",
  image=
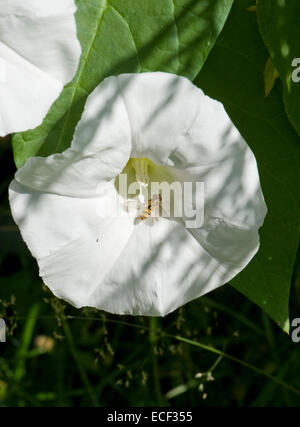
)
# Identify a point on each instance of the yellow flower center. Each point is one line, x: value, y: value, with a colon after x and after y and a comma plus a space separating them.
x: 139, y: 184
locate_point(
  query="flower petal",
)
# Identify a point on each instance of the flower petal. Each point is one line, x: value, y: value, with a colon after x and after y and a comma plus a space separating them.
x: 104, y: 124
x: 161, y: 109
x: 215, y: 153
x: 43, y: 33
x: 39, y: 54
x: 75, y: 240
x: 100, y: 149
x: 26, y: 93
x: 113, y: 265
x: 74, y: 270
x: 163, y: 267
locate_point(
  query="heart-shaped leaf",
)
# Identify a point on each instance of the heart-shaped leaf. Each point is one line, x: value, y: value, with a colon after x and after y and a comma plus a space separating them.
x: 233, y: 74
x: 120, y: 36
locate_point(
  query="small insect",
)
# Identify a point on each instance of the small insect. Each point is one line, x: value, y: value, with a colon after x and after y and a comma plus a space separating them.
x: 151, y: 205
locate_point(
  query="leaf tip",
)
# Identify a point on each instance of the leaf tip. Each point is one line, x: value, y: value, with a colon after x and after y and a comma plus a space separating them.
x: 251, y: 8
x: 270, y: 75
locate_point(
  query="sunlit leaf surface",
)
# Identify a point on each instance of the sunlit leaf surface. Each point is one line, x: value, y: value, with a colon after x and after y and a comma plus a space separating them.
x: 132, y: 36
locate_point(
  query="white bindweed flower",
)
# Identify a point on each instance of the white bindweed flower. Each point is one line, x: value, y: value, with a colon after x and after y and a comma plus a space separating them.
x: 39, y: 54
x: 98, y: 246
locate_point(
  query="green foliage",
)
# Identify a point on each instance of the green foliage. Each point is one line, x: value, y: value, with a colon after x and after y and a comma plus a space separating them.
x: 234, y: 75
x: 279, y: 24
x: 119, y: 37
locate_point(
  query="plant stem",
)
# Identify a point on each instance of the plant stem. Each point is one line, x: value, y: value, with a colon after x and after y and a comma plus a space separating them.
x: 23, y: 349
x: 77, y: 360
x: 235, y: 359
x: 155, y: 370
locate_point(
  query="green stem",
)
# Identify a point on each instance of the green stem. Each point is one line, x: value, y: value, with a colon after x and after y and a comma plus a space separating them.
x: 235, y: 359
x: 77, y: 360
x: 155, y: 370
x: 23, y: 349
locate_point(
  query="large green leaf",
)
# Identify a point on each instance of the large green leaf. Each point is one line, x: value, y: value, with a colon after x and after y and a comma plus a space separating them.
x: 279, y: 24
x: 233, y: 74
x: 126, y: 36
